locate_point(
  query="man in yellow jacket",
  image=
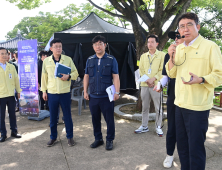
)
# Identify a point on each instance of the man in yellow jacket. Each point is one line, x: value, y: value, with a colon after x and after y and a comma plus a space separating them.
x: 58, y: 90
x: 151, y: 64
x: 197, y: 66
x: 8, y: 83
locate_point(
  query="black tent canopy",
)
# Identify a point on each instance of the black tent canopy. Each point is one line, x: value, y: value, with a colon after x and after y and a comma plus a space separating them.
x: 77, y: 43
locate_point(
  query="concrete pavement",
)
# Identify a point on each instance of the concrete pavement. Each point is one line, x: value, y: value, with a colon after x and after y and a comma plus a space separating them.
x: 131, y: 151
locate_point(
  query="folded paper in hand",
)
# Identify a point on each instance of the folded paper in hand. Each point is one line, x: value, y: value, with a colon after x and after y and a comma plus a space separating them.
x: 143, y: 78
x: 61, y: 69
x: 111, y: 92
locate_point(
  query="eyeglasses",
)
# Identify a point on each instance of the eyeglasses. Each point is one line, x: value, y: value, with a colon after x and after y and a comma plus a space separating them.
x: 57, y: 47
x: 189, y: 25
x: 98, y: 45
x: 4, y: 53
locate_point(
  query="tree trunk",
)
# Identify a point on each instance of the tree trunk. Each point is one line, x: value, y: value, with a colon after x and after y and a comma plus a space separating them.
x: 131, y: 10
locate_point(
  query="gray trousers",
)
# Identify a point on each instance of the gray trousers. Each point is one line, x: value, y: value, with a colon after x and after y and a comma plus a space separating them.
x: 146, y: 94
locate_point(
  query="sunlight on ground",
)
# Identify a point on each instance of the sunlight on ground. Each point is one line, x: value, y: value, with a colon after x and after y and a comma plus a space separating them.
x: 122, y: 121
x: 126, y: 96
x: 175, y: 164
x: 29, y: 136
x: 6, y: 166
x: 142, y: 167
x: 63, y: 130
x: 216, y: 120
x: 20, y: 151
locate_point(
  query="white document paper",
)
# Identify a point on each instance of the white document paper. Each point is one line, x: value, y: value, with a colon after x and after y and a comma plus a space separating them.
x: 143, y: 78
x: 111, y: 92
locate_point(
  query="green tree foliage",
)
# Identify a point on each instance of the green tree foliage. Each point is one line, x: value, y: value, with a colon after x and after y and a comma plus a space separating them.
x: 154, y: 14
x: 211, y: 22
x: 43, y: 26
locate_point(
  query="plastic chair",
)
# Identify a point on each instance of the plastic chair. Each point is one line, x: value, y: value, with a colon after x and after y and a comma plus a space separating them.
x: 78, y: 96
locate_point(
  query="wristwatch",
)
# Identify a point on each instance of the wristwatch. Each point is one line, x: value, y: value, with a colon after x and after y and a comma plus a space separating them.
x: 203, y: 80
x: 117, y: 93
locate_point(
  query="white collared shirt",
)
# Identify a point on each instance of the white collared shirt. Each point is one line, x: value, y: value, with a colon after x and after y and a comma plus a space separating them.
x: 3, y: 66
x: 190, y: 42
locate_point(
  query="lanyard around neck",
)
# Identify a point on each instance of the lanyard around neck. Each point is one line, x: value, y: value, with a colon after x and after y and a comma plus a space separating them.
x: 149, y: 61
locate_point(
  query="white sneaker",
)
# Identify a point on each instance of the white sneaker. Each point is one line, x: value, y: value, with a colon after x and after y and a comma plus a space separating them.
x: 142, y: 129
x: 159, y: 132
x: 167, y: 163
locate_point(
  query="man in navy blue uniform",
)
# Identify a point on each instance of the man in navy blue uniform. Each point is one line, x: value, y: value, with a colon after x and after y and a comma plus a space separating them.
x: 101, y: 72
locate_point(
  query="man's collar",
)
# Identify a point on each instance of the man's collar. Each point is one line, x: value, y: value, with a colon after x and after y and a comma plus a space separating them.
x: 54, y: 57
x: 190, y: 42
x: 104, y: 56
x: 195, y: 42
x: 3, y: 64
x: 156, y: 53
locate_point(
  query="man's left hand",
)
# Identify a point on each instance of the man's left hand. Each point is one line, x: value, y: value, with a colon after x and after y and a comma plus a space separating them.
x: 150, y: 82
x: 64, y: 77
x: 116, y: 97
x: 18, y: 94
x: 195, y: 80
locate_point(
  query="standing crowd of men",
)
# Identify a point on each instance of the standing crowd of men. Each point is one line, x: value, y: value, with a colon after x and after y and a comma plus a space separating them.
x: 192, y: 68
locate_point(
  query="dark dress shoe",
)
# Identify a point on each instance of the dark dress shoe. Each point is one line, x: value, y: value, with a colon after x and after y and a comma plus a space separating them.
x: 97, y: 143
x: 51, y: 142
x: 109, y: 145
x: 15, y: 135
x: 3, y: 138
x: 17, y: 109
x: 71, y: 142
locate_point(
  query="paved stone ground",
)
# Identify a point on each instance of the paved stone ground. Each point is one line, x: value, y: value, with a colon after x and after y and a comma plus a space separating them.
x: 131, y: 151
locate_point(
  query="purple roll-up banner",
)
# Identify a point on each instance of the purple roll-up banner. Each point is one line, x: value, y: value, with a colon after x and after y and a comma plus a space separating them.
x: 28, y: 77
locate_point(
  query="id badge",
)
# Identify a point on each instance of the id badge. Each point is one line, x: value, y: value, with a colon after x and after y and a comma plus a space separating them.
x: 149, y: 71
x: 10, y: 75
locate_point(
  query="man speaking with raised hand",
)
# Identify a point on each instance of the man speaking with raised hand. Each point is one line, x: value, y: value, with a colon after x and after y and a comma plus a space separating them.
x: 197, y: 66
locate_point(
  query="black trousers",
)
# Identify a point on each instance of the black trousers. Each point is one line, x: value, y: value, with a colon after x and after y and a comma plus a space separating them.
x: 191, y: 129
x: 10, y: 102
x: 42, y: 101
x: 171, y: 131
x: 98, y: 105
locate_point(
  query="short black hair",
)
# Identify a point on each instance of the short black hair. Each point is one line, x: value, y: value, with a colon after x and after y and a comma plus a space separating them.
x: 153, y: 36
x: 189, y: 15
x: 98, y: 38
x: 55, y: 40
x: 43, y: 53
x: 2, y: 48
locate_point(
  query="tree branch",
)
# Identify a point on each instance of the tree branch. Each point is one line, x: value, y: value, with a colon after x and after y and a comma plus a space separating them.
x: 144, y: 31
x: 110, y: 13
x: 119, y: 7
x: 158, y: 9
x: 170, y: 4
x: 123, y: 2
x: 144, y: 14
x: 131, y: 3
x: 181, y: 3
x: 173, y: 25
